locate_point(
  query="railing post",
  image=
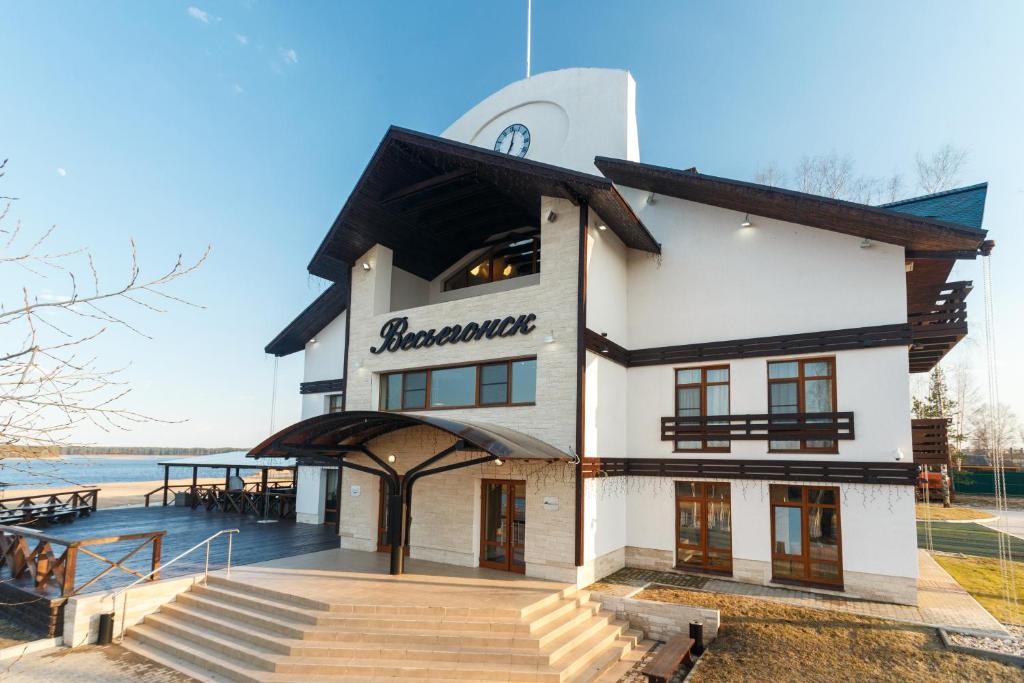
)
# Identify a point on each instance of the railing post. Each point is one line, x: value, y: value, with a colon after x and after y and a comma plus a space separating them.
x: 229, y: 553
x: 167, y: 477
x: 70, y: 564
x: 155, y: 564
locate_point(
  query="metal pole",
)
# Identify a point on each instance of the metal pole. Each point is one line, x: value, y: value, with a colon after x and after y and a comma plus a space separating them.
x: 229, y: 553
x: 396, y: 513
x: 206, y: 568
x: 529, y: 33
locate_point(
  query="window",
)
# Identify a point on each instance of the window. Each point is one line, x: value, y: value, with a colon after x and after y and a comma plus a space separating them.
x: 513, y: 257
x: 335, y: 403
x: 500, y: 383
x: 702, y: 392
x: 802, y: 386
x: 703, y: 526
x: 806, y: 541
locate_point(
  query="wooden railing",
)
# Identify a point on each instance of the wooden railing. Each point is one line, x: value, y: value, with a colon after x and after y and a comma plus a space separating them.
x: 937, y: 325
x: 931, y: 440
x: 778, y: 427
x: 278, y: 498
x: 48, y: 506
x: 49, y: 571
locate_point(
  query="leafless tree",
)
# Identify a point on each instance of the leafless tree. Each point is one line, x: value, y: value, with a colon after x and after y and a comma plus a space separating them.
x: 834, y: 176
x: 771, y: 175
x: 995, y: 430
x: 50, y: 380
x: 941, y: 170
x: 965, y: 395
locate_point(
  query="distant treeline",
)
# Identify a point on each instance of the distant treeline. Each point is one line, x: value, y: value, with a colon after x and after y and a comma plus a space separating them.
x: 143, y: 450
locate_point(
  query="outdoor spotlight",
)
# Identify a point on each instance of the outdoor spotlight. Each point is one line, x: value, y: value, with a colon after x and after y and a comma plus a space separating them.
x: 392, y: 458
x: 650, y: 199
x: 746, y: 222
x: 366, y: 265
x: 313, y: 340
x: 549, y: 337
x: 865, y: 243
x: 551, y: 216
x: 499, y: 462
x: 602, y: 227
x: 899, y: 454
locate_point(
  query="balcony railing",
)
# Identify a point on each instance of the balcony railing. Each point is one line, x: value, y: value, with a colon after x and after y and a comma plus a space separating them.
x: 931, y: 440
x: 937, y: 324
x: 779, y: 427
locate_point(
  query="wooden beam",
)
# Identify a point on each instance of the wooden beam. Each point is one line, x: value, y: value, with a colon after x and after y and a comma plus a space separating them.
x: 426, y: 185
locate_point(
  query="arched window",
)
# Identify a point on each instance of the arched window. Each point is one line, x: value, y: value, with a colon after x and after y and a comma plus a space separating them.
x: 514, y: 256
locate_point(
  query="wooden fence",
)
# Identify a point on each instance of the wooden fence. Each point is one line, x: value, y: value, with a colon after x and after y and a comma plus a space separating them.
x: 48, y: 506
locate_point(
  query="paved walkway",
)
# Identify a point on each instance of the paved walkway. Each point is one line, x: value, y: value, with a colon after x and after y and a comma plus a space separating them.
x: 92, y: 664
x: 941, y: 600
x: 1011, y: 521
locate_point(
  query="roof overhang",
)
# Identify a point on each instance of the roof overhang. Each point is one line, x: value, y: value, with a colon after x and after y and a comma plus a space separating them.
x: 331, y: 303
x: 353, y: 428
x: 432, y: 201
x: 910, y: 231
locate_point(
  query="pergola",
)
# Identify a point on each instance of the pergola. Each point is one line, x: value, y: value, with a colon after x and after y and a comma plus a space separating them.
x: 328, y: 439
x: 228, y: 462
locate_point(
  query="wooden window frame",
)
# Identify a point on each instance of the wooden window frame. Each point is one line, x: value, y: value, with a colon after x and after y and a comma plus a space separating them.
x: 805, y: 555
x: 703, y: 384
x: 800, y: 379
x: 382, y: 399
x: 510, y: 512
x: 489, y: 256
x: 331, y: 408
x: 703, y: 500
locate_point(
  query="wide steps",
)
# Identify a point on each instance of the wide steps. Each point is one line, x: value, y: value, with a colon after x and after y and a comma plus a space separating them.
x: 226, y: 631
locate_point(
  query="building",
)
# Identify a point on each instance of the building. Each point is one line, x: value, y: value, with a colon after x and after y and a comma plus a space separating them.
x: 602, y: 363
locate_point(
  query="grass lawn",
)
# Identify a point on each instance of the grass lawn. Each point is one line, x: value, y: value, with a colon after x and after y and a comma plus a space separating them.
x: 969, y: 539
x: 939, y: 513
x: 764, y: 641
x: 981, y: 578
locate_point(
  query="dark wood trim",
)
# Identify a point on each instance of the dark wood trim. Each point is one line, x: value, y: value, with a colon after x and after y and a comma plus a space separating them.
x: 826, y: 471
x: 761, y: 427
x: 581, y: 370
x: 323, y: 386
x: 931, y: 440
x: 348, y: 326
x: 957, y: 255
x: 761, y: 347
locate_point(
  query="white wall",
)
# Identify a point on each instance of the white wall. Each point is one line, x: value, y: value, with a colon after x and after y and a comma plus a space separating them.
x: 573, y: 115
x: 716, y: 281
x: 323, y: 358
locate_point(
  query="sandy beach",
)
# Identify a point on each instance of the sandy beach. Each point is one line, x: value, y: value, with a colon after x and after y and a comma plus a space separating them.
x: 118, y: 494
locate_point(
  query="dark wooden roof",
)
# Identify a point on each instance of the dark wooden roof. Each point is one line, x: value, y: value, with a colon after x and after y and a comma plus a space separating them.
x: 432, y: 201
x: 880, y: 224
x: 361, y: 426
x: 325, y: 308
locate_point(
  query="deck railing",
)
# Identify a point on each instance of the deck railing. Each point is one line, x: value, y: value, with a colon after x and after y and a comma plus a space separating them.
x: 48, y: 506
x: 931, y: 440
x: 775, y: 427
x: 26, y: 552
x: 278, y: 497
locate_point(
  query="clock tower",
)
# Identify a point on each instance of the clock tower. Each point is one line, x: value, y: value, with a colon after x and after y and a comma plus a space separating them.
x: 564, y: 118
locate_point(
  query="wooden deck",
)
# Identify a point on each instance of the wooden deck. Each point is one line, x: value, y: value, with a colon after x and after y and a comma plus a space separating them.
x: 186, y: 527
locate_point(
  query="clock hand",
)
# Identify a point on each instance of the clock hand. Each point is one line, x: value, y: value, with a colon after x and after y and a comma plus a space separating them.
x: 511, y: 142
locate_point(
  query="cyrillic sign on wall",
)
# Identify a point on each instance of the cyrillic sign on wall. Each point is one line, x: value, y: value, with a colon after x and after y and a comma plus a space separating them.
x: 396, y: 337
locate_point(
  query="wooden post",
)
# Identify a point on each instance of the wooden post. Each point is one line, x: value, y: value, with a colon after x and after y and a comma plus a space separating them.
x: 155, y: 564
x: 167, y: 478
x: 263, y: 486
x: 195, y: 481
x: 70, y: 561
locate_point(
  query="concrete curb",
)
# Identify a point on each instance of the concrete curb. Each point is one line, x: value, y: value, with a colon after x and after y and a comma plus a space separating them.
x: 982, y: 520
x: 16, y: 651
x: 979, y: 652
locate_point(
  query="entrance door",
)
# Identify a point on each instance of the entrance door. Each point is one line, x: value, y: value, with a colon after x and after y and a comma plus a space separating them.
x: 503, y: 525
x: 703, y: 526
x: 806, y: 541
x: 382, y: 519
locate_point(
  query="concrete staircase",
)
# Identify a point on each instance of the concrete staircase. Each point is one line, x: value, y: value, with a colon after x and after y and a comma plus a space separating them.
x: 229, y: 631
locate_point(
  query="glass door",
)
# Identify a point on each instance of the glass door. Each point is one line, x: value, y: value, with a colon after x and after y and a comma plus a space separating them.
x: 806, y: 544
x: 503, y: 525
x: 703, y: 526
x: 331, y: 499
x: 382, y: 519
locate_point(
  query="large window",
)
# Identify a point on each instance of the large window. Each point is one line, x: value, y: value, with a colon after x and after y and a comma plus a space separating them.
x: 702, y: 392
x: 501, y: 383
x: 703, y: 526
x: 802, y: 386
x: 513, y: 257
x: 806, y: 541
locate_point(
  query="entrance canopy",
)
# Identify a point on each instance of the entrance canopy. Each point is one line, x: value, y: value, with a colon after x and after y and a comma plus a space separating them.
x: 325, y: 433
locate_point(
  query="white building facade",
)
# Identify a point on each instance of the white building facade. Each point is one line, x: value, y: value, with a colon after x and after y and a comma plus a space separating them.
x: 615, y: 364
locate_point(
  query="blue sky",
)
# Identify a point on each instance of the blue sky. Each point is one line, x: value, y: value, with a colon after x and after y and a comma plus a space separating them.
x: 244, y: 124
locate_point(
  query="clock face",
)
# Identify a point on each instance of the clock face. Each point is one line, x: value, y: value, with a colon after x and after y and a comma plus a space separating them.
x: 513, y: 140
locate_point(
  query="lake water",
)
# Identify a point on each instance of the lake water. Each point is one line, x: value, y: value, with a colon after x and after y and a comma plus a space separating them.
x: 86, y: 470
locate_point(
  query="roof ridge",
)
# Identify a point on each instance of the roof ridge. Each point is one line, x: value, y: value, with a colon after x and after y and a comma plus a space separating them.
x: 933, y: 195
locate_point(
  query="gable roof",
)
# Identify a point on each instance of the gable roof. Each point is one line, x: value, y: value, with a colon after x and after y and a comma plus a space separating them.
x: 877, y: 223
x: 963, y: 205
x: 432, y: 201
x: 329, y: 305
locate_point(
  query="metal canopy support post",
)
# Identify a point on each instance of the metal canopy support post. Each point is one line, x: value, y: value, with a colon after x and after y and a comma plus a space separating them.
x: 266, y: 498
x: 167, y: 477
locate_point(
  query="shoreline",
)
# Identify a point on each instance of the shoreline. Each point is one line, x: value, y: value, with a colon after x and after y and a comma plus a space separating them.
x: 117, y: 494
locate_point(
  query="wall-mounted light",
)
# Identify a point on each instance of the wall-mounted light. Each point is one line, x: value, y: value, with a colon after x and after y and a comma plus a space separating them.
x: 549, y: 337
x: 865, y: 243
x: 507, y: 271
x: 650, y: 199
x: 313, y: 340
x: 366, y: 265
x: 604, y: 349
x: 499, y: 462
x: 899, y: 454
x: 392, y: 458
x: 747, y: 223
x: 551, y: 216
x: 602, y: 227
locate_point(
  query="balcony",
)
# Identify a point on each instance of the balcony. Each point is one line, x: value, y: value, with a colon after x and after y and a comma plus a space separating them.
x: 779, y: 427
x: 931, y: 440
x: 938, y: 325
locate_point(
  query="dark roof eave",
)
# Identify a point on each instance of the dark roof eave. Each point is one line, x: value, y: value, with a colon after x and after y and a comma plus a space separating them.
x: 935, y: 234
x: 331, y: 303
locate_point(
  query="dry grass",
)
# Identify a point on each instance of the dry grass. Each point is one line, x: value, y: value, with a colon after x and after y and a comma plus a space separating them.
x: 941, y: 514
x: 764, y: 641
x: 980, y: 576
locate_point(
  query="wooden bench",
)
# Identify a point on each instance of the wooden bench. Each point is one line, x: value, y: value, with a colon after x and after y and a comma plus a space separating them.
x: 668, y: 659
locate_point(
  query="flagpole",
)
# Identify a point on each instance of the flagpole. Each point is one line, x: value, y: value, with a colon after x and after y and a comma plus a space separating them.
x: 529, y: 13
